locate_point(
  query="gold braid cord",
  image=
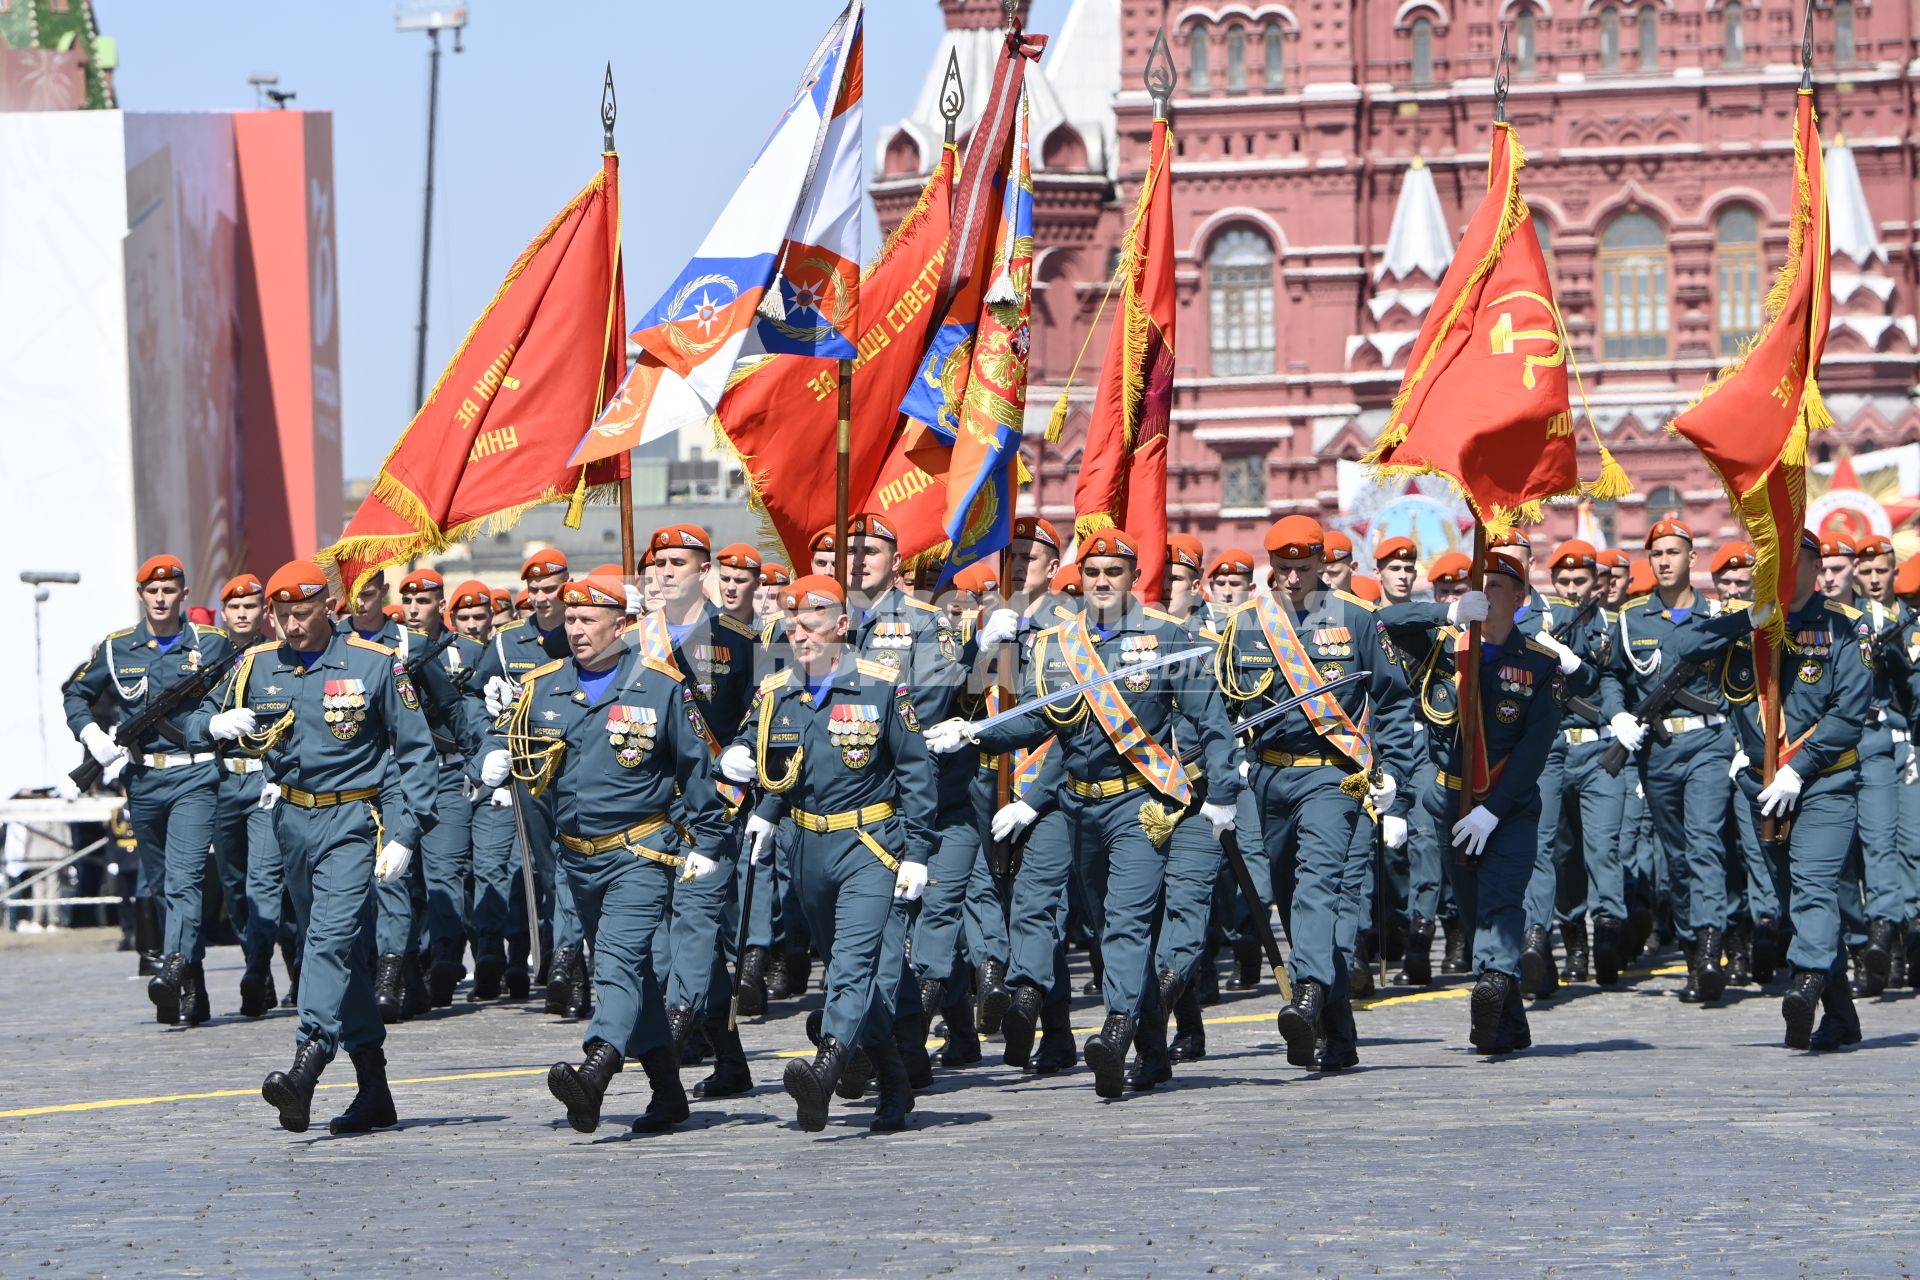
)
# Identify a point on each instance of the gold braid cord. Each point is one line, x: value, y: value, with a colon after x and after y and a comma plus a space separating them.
x: 533, y: 762
x: 1226, y: 670
x: 1058, y: 720
x: 785, y: 781
x: 258, y: 743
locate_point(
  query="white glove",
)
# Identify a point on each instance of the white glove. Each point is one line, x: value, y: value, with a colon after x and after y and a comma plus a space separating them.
x: 949, y: 736
x: 911, y: 882
x: 495, y: 766
x: 1001, y: 626
x: 1016, y: 817
x: 113, y: 771
x: 500, y: 693
x: 698, y: 866
x: 469, y: 790
x: 1628, y: 730
x: 1782, y: 794
x: 1569, y: 660
x: 636, y: 601
x: 392, y: 862
x: 1739, y: 765
x: 269, y: 796
x: 1382, y: 794
x: 502, y: 798
x: 1910, y: 773
x: 1471, y: 607
x: 100, y: 744
x: 1760, y: 615
x: 759, y: 837
x: 225, y: 726
x: 1473, y: 830
x: 736, y: 764
x: 1222, y: 816
x: 63, y: 786
x: 1246, y: 769
x: 1393, y: 831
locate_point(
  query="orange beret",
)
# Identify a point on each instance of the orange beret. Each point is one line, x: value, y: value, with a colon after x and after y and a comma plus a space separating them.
x: 1066, y: 581
x: 1874, y: 544
x: 1037, y: 529
x: 1366, y: 588
x: 1392, y: 548
x: 690, y: 537
x: 160, y: 569
x: 608, y: 570
x: 822, y: 541
x: 1838, y: 545
x: 1295, y: 537
x: 1612, y: 558
x: 1511, y: 538
x: 1906, y: 579
x: 1110, y: 542
x: 423, y: 580
x: 200, y: 614
x: 1640, y: 579
x: 775, y: 574
x: 1501, y: 563
x: 502, y: 599
x: 1668, y: 529
x: 393, y: 611
x: 596, y: 589
x: 471, y: 594
x: 1734, y: 555
x: 813, y: 591
x: 523, y: 601
x: 549, y: 563
x: 296, y: 580
x: 1449, y: 566
x: 871, y: 524
x: 244, y: 585
x: 1336, y: 546
x: 1232, y: 560
x: 739, y: 556
x: 1184, y: 548
x: 1575, y: 553
x: 977, y: 577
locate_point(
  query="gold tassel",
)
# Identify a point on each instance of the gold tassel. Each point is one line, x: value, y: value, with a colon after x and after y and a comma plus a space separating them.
x: 1094, y: 522
x: 1613, y: 483
x: 1795, y: 454
x: 1058, y: 421
x: 1157, y: 822
x: 1354, y: 785
x: 1813, y: 407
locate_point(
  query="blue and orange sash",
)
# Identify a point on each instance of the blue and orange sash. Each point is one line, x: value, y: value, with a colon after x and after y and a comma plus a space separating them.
x: 1328, y: 718
x: 1129, y: 737
x: 1026, y: 764
x: 656, y: 651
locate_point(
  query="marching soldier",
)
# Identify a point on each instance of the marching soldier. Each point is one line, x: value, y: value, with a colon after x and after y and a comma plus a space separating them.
x: 172, y: 778
x: 766, y: 599
x: 1889, y: 618
x: 1185, y: 556
x: 1825, y: 683
x: 1125, y: 788
x: 835, y: 742
x: 471, y: 610
x: 1754, y: 941
x: 737, y: 575
x: 335, y: 719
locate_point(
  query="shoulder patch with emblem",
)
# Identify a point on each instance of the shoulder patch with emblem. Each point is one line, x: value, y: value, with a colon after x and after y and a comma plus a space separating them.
x: 404, y: 687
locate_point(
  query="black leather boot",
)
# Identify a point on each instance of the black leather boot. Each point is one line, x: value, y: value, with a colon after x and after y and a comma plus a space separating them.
x: 1574, y: 935
x: 1639, y: 932
x: 1098, y: 963
x: 1416, y: 967
x: 910, y: 1033
x: 1360, y: 970
x: 994, y: 996
x: 148, y: 935
x: 668, y: 1106
x: 1299, y: 1023
x: 1765, y: 951
x: 1709, y: 942
x: 1515, y: 1035
x: 962, y: 1048
x: 895, y: 1091
x: 1206, y: 978
x: 489, y: 970
x: 1609, y: 939
x: 777, y: 988
x: 1876, y: 958
x: 291, y: 959
x: 389, y: 994
x: 1190, y: 1030
x: 194, y: 1007
x: 799, y: 968
x: 372, y: 1105
x: 730, y: 1077
x: 696, y: 1050
x: 857, y: 1074
x: 751, y: 982
x: 1057, y: 1050
x: 519, y: 974
x: 1858, y: 969
x: 680, y: 1023
x: 811, y: 1085
x: 1537, y: 972
x: 166, y: 988
x: 579, y: 986
x: 1340, y: 1046
x: 1897, y: 973
x: 1489, y: 1005
x: 582, y: 1089
x: 414, y: 980
x: 1797, y: 1007
x: 445, y: 974
x: 1247, y: 962
x: 291, y: 1091
x: 1453, y: 958
x: 559, y: 981
x: 1913, y: 953
x: 1153, y: 1062
x: 1017, y: 1024
x: 1106, y: 1053
x: 1840, y: 1024
x: 257, y: 995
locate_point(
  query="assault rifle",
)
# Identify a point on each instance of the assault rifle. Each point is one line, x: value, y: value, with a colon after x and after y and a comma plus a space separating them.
x: 157, y: 715
x: 418, y: 662
x: 1672, y: 689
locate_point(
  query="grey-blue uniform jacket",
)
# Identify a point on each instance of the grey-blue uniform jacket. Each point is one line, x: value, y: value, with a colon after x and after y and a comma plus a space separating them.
x: 917, y: 641
x: 457, y: 720
x: 130, y: 662
x: 1644, y: 627
x: 1521, y: 690
x: 1591, y: 637
x: 354, y: 714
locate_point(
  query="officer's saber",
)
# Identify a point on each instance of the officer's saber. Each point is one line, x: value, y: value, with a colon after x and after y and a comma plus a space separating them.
x: 521, y: 798
x: 1056, y: 696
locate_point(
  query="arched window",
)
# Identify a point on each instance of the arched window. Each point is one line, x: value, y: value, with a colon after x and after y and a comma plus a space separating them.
x: 1240, y: 303
x: 1843, y: 31
x: 1609, y: 39
x: 1649, y: 38
x: 1733, y: 21
x: 1422, y: 50
x: 1544, y: 233
x: 1276, y: 53
x: 1665, y: 503
x: 1737, y: 270
x: 1634, y: 273
x: 1197, y: 78
x: 1526, y: 37
x: 1236, y: 59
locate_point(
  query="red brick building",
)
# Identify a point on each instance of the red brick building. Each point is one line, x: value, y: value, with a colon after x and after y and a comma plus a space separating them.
x: 1329, y: 155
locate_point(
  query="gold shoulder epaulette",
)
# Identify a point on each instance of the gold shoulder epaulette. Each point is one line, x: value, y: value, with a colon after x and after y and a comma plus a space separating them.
x: 777, y: 680
x: 124, y: 631
x: 1636, y: 601
x: 1844, y: 609
x: 353, y: 638
x: 1351, y: 598
x: 1533, y: 643
x: 264, y: 646
x: 1735, y: 606
x: 736, y: 626
x: 1214, y: 636
x: 545, y: 669
x: 505, y: 627
x: 1061, y: 612
x: 914, y: 602
x: 1561, y: 602
x: 1161, y: 614
x: 1611, y: 615
x: 766, y: 631
x: 876, y: 670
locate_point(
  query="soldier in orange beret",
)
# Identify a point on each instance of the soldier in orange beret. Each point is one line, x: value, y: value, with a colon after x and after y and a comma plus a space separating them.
x: 1185, y: 557
x: 1397, y: 562
x: 1336, y: 549
x: 472, y: 608
x: 737, y: 577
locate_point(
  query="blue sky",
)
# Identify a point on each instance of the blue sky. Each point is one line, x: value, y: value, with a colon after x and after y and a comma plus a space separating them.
x: 699, y: 84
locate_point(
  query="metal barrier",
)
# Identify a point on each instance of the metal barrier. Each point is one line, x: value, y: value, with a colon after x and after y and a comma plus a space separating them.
x: 49, y: 821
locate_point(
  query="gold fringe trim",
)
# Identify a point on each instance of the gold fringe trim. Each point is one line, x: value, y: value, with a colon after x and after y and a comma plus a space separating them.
x: 949, y: 161
x: 1091, y: 523
x: 1136, y: 324
x: 1157, y: 822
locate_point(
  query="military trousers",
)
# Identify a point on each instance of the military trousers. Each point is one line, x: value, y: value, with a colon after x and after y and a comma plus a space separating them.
x: 1685, y: 783
x: 234, y: 798
x: 1883, y: 863
x: 846, y: 894
x: 1308, y: 825
x: 623, y: 900
x: 1580, y: 806
x: 1909, y: 810
x: 1037, y: 910
x: 330, y: 854
x: 269, y: 923
x: 499, y: 884
x: 939, y: 924
x: 769, y: 887
x: 1194, y: 863
x: 1360, y: 885
x: 701, y: 932
x: 1231, y: 913
x: 1766, y: 870
x: 428, y: 906
x: 1429, y: 859
x: 172, y: 812
x: 983, y: 924
x: 1492, y: 888
x: 1817, y: 849
x: 1123, y: 874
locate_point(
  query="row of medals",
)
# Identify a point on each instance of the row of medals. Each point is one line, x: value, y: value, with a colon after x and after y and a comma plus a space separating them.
x: 631, y: 744
x: 855, y: 738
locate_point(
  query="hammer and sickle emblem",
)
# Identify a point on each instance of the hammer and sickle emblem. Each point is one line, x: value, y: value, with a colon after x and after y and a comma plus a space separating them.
x: 1504, y: 336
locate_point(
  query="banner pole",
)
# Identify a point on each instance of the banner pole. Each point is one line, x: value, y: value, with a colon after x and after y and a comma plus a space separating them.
x: 842, y: 466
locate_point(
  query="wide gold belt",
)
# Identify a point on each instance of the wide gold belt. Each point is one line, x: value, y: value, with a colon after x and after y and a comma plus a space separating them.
x: 1104, y: 790
x: 1294, y: 760
x: 850, y: 820
x: 628, y: 840
x: 1848, y: 758
x: 326, y: 799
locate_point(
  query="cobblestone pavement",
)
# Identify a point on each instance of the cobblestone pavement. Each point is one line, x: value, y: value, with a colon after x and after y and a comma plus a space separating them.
x: 1638, y: 1136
